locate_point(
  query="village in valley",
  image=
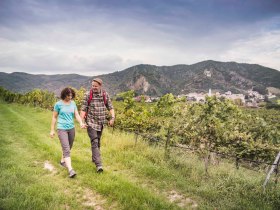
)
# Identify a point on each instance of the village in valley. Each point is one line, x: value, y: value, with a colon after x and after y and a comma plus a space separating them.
x: 251, y: 98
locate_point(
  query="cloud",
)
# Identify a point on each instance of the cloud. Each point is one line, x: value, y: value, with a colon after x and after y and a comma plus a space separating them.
x: 262, y: 48
x: 93, y: 37
x: 64, y: 48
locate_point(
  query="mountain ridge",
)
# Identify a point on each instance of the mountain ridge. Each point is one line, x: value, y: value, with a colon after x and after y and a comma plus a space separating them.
x: 157, y: 80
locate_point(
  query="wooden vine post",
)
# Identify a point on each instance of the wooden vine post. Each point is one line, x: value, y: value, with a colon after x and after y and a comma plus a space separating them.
x: 167, y: 144
x: 274, y: 168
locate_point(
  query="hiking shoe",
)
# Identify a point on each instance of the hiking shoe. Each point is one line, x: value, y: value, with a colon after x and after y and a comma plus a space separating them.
x: 63, y: 164
x: 72, y: 173
x: 99, y: 169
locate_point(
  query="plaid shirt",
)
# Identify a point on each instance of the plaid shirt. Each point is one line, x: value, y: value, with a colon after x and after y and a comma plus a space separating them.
x: 96, y: 111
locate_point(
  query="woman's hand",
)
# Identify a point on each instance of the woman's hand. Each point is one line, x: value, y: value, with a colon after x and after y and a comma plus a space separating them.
x: 52, y: 134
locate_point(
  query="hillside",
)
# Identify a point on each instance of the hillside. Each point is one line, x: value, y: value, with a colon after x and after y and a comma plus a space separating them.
x: 23, y: 82
x: 159, y: 80
x: 182, y: 79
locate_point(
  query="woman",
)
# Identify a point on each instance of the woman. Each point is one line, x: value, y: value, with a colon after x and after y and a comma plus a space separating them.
x: 63, y: 114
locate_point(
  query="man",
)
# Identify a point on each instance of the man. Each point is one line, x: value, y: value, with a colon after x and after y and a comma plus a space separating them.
x: 93, y: 110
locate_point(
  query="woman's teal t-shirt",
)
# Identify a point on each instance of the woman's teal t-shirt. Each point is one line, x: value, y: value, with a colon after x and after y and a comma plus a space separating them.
x: 66, y: 113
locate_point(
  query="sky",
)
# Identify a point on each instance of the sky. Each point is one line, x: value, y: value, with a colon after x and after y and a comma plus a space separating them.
x: 94, y: 37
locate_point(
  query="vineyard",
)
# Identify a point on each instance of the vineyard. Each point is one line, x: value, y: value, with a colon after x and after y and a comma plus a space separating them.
x: 149, y: 174
x: 216, y: 126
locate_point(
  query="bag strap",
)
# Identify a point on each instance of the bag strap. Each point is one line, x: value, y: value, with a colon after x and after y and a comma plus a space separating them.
x: 90, y: 97
x: 104, y: 97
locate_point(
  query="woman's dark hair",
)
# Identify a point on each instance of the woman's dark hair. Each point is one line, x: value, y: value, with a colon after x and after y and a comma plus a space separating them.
x: 67, y: 91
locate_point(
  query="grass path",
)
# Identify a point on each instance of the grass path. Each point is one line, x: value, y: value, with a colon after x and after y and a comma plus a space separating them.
x: 25, y: 141
x: 135, y: 177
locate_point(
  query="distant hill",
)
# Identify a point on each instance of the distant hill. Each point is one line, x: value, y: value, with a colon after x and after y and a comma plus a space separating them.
x: 23, y: 82
x: 158, y: 80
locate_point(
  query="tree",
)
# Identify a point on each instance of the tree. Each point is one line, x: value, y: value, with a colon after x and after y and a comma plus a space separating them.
x: 164, y: 106
x: 79, y: 96
x: 128, y: 98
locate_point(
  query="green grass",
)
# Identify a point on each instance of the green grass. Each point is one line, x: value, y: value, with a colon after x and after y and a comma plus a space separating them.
x: 135, y: 177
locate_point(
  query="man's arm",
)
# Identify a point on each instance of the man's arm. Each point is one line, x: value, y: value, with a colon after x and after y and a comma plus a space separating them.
x: 111, y: 110
x: 112, y: 120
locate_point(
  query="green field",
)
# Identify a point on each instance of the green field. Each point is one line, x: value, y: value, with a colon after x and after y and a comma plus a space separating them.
x: 135, y: 177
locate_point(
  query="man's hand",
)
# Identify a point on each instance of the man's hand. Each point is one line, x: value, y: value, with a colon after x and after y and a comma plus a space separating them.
x: 111, y: 122
x: 83, y: 125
